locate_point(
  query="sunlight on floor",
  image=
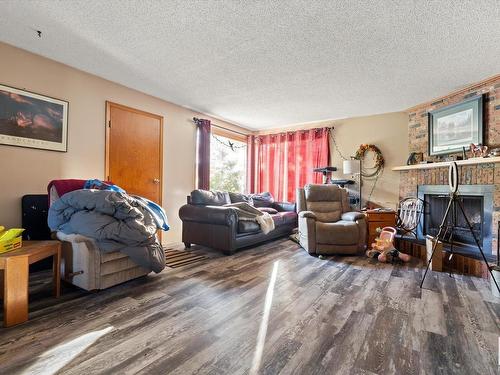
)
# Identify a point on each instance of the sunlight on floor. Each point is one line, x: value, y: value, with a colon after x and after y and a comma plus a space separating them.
x: 261, y: 336
x: 56, y: 358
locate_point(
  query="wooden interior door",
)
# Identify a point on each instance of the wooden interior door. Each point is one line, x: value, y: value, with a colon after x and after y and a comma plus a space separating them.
x: 134, y: 149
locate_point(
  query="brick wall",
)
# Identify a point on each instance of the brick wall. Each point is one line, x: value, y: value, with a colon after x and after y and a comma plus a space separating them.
x: 488, y: 174
x: 482, y: 174
x: 418, y: 125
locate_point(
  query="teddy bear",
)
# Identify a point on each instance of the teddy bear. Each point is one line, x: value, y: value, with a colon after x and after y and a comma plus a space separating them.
x: 383, y: 248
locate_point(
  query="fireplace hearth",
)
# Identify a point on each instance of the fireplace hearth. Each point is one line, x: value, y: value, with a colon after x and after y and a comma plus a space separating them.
x: 477, y: 201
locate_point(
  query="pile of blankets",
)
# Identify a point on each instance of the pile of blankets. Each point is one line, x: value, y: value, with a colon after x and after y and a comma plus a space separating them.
x: 115, y: 220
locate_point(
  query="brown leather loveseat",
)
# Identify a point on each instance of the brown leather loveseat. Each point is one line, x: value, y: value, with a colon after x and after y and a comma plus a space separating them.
x: 207, y: 222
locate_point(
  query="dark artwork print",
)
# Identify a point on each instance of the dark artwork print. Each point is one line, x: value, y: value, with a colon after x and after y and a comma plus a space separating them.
x: 27, y: 117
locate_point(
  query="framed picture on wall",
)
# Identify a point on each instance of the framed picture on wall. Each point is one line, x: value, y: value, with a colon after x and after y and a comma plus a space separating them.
x: 456, y: 126
x: 33, y: 120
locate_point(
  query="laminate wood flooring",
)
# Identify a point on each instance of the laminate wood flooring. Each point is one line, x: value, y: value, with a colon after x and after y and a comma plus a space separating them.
x: 341, y: 315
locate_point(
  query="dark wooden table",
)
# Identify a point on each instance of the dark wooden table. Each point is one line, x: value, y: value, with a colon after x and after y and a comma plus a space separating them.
x: 15, y: 266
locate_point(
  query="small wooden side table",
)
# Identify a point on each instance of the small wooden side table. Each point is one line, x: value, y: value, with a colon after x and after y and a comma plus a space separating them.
x: 378, y: 219
x: 15, y: 266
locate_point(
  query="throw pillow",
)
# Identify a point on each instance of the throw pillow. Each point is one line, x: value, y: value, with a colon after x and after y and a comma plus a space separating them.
x: 262, y: 199
x: 238, y: 197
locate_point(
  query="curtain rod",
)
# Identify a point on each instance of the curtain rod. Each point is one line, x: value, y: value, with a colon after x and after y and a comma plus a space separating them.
x: 195, y: 119
x: 283, y: 132
x: 230, y: 130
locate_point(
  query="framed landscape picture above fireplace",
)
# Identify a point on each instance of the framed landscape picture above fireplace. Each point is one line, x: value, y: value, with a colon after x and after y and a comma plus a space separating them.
x: 32, y: 120
x: 456, y: 126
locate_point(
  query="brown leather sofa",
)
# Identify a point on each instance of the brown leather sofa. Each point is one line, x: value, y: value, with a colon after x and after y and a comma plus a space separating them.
x: 205, y: 220
x: 326, y: 223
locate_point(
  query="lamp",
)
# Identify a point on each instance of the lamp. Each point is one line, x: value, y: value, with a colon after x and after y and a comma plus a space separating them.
x: 353, y: 167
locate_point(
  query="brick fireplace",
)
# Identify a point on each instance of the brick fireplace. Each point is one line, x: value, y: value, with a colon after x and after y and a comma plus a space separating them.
x: 484, y: 175
x: 477, y: 201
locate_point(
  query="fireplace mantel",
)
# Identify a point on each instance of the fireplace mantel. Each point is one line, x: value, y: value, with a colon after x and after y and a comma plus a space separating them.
x: 445, y: 164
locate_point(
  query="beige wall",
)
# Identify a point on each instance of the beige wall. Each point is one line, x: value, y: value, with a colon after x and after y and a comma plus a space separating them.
x: 389, y: 132
x: 27, y: 171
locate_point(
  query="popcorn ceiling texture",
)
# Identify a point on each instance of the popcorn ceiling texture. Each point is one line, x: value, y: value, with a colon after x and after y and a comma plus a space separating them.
x: 269, y: 63
x: 482, y: 174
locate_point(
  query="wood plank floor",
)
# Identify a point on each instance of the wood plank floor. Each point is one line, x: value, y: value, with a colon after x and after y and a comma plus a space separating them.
x: 342, y: 315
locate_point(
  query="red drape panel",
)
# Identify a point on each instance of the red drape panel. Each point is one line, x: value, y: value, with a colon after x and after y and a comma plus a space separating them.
x: 203, y: 157
x: 286, y: 161
x: 271, y: 164
x: 251, y: 160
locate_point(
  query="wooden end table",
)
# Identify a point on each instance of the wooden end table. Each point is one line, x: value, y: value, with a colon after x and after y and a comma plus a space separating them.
x: 378, y: 219
x: 15, y: 266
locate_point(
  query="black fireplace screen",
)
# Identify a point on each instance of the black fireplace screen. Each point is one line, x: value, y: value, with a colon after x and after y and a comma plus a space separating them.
x: 474, y: 209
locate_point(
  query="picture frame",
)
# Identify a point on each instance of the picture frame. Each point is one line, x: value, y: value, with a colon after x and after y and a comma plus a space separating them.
x: 456, y: 126
x: 32, y: 120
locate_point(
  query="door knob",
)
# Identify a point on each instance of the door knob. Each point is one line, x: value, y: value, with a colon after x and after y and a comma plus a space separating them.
x: 156, y: 180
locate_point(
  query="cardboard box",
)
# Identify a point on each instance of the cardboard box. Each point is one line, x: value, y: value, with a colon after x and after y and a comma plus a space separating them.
x: 9, y: 245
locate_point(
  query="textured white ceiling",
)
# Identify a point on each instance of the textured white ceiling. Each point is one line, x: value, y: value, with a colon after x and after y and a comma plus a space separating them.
x: 268, y: 63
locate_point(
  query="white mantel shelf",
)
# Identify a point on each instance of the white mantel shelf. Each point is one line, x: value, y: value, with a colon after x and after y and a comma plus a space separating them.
x: 445, y: 164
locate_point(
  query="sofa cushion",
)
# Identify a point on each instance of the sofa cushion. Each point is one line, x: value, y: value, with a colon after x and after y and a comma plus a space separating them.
x: 339, y: 233
x: 287, y: 217
x: 246, y: 226
x: 209, y: 198
x: 279, y: 218
x: 269, y: 210
x: 325, y: 201
x: 265, y: 199
x: 326, y: 211
x: 238, y: 197
x: 322, y: 193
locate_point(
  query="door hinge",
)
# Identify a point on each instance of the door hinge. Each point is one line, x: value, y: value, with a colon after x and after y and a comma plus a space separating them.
x: 109, y: 123
x: 108, y: 178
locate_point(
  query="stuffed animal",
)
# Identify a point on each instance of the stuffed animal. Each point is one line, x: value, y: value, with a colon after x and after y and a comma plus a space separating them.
x: 383, y: 247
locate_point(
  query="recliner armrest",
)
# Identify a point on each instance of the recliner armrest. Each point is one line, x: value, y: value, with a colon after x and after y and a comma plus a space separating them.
x: 352, y: 216
x: 284, y: 206
x: 307, y: 214
x: 218, y: 215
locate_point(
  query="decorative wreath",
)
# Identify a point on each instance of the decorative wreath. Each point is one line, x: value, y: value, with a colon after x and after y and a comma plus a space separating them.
x: 379, y: 158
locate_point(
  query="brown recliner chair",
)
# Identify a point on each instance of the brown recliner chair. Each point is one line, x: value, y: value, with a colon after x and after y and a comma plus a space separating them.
x: 326, y: 223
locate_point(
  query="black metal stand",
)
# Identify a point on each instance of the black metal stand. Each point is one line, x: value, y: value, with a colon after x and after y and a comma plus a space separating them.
x: 444, y: 227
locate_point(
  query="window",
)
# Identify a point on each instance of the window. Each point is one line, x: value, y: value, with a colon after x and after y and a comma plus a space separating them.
x: 228, y: 162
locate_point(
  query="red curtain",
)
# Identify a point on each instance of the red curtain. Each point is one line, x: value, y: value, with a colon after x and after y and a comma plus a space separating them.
x: 251, y: 159
x: 203, y: 157
x: 271, y: 164
x: 286, y: 161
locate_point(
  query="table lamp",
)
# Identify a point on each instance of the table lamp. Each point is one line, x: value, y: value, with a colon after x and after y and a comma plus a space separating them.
x: 353, y: 167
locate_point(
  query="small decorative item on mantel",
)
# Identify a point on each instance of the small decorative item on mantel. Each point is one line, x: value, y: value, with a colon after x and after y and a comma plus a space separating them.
x: 478, y: 151
x: 453, y: 158
x: 415, y: 158
x: 495, y: 152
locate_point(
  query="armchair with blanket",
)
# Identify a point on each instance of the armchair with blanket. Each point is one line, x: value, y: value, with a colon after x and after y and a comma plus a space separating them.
x: 85, y: 263
x: 326, y: 223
